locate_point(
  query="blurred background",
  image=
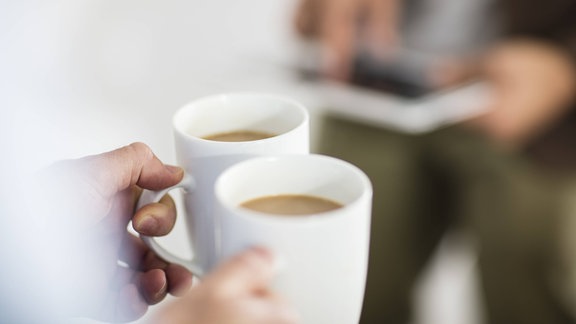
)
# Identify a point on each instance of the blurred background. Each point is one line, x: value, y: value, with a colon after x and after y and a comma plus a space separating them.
x: 83, y: 77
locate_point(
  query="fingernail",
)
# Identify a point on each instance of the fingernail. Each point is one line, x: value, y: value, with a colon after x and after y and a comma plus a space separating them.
x: 174, y: 169
x: 159, y: 295
x: 146, y: 225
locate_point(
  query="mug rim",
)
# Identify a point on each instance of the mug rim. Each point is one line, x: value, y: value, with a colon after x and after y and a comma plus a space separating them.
x: 304, y: 114
x: 365, y: 194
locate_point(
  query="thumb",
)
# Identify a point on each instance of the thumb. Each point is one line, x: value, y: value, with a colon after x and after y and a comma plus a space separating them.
x: 248, y: 272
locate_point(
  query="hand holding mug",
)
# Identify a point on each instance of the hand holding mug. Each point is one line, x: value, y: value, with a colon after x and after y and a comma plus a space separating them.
x: 236, y: 292
x: 91, y: 201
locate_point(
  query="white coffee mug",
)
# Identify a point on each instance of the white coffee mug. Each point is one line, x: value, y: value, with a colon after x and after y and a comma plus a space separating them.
x: 323, y: 257
x: 203, y: 160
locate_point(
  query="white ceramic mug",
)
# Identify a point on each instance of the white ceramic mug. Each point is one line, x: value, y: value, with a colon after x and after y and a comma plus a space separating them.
x: 323, y: 257
x: 203, y: 160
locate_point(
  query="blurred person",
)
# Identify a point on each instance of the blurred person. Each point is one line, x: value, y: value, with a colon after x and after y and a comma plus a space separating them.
x: 499, y: 176
x: 72, y: 255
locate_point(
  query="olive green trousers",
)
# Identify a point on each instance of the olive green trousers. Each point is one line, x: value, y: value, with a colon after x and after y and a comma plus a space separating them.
x: 426, y: 185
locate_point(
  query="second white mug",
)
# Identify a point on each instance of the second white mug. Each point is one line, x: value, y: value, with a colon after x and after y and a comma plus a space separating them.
x: 313, y: 213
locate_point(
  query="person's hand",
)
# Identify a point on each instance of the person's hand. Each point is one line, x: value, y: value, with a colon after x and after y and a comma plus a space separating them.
x: 115, y: 275
x: 236, y: 292
x: 340, y: 25
x: 533, y: 83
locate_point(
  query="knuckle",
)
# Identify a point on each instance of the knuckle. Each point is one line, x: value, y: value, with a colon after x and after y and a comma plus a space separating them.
x: 141, y: 150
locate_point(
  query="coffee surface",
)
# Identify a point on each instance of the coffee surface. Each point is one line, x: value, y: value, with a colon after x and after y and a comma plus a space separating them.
x: 291, y: 205
x: 238, y: 136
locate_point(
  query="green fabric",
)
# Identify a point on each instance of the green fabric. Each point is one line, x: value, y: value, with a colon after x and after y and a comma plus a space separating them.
x: 428, y: 184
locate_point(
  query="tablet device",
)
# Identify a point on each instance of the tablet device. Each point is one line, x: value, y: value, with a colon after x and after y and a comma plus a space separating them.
x: 399, y: 95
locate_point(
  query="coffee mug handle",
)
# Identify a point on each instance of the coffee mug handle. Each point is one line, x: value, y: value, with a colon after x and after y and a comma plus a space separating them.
x: 148, y: 197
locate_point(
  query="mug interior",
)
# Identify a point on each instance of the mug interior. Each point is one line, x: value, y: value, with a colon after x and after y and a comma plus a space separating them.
x: 313, y: 175
x: 239, y: 112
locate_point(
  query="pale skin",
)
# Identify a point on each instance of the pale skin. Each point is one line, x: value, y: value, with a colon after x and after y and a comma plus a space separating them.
x: 534, y: 81
x: 236, y: 292
x: 103, y: 189
x: 335, y: 23
x: 95, y: 201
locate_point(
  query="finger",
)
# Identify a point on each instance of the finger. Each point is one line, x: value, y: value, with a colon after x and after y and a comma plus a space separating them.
x: 127, y: 305
x: 132, y: 251
x: 134, y: 164
x: 179, y: 279
x: 155, y: 219
x: 136, y: 193
x: 382, y: 25
x: 138, y: 256
x: 245, y: 273
x: 267, y: 311
x: 153, y: 285
x: 152, y: 261
x: 337, y: 32
x: 123, y: 301
x: 308, y: 14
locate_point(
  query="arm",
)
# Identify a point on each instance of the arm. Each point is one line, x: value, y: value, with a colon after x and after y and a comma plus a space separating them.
x: 534, y: 70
